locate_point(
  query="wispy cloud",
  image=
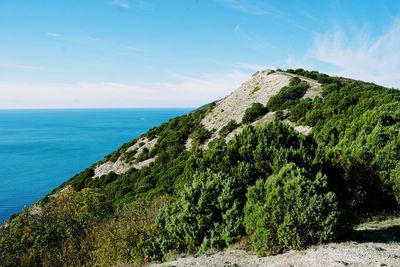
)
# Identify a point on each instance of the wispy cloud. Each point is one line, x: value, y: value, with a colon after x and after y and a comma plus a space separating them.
x: 246, y: 7
x: 363, y: 57
x: 54, y: 34
x: 18, y: 66
x: 181, y: 91
x: 121, y: 3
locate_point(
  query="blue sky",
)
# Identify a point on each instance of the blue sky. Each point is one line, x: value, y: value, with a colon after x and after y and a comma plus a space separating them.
x: 137, y: 53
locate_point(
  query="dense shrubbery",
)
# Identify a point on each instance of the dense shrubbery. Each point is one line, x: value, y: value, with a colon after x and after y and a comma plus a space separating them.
x: 252, y: 113
x: 288, y: 95
x: 209, y: 212
x: 124, y: 239
x: 206, y: 214
x: 57, y: 234
x: 291, y: 211
x: 299, y: 111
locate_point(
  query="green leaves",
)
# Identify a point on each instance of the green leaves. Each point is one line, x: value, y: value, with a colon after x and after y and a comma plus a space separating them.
x: 288, y: 95
x: 252, y: 113
x: 205, y: 214
x: 290, y: 211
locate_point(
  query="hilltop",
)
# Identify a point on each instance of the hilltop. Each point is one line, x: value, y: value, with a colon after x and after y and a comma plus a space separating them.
x: 290, y: 160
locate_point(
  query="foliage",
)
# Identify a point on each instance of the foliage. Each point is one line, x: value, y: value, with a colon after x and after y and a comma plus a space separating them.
x: 200, y: 217
x: 229, y: 127
x: 252, y: 113
x: 199, y: 135
x: 57, y: 234
x: 288, y: 95
x: 290, y: 211
x: 298, y: 111
x: 124, y: 239
x: 205, y: 214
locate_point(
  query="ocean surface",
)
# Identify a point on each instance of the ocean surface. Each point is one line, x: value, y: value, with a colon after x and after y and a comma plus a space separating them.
x: 40, y: 149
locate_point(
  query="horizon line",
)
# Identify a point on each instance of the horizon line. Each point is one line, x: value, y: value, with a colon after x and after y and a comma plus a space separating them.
x: 90, y: 108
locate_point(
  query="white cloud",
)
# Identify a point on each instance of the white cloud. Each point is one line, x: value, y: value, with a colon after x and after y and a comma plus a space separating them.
x: 182, y: 91
x: 363, y: 57
x: 121, y: 3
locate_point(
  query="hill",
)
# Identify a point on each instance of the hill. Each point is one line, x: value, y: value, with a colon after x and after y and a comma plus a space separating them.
x: 289, y: 160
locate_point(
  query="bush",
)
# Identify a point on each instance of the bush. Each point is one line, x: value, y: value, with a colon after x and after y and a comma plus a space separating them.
x: 252, y: 113
x: 395, y: 181
x: 205, y: 215
x: 290, y: 211
x: 298, y: 111
x: 288, y: 95
x: 124, y: 239
x: 200, y: 135
x: 145, y: 154
x: 56, y: 235
x: 232, y: 125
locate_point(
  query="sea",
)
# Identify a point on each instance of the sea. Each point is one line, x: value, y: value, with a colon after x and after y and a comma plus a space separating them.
x: 41, y: 149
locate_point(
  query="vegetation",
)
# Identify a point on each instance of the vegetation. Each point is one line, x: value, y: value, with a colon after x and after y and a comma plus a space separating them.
x: 288, y: 95
x: 291, y: 211
x: 255, y: 111
x: 199, y: 135
x: 57, y: 234
x: 232, y: 125
x: 282, y: 189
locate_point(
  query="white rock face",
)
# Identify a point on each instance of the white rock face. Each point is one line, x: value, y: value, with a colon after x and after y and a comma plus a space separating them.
x: 121, y: 166
x: 149, y: 144
x: 118, y: 167
x: 258, y: 88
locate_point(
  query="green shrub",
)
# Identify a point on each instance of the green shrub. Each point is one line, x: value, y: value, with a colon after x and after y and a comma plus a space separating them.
x: 298, y: 111
x: 205, y: 214
x: 290, y: 211
x: 395, y: 181
x: 232, y: 125
x: 123, y: 240
x: 252, y: 113
x: 200, y: 135
x: 145, y: 154
x: 288, y: 95
x: 58, y: 234
x: 280, y: 115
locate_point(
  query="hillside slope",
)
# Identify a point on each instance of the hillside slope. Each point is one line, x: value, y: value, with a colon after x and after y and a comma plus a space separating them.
x: 289, y: 160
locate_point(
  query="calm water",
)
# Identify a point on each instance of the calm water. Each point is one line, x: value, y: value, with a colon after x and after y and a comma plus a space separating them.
x: 40, y: 149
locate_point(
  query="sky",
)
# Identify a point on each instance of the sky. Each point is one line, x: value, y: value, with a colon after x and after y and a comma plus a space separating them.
x: 183, y: 53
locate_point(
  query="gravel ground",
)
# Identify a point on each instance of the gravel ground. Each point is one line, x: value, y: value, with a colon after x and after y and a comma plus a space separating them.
x: 343, y: 254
